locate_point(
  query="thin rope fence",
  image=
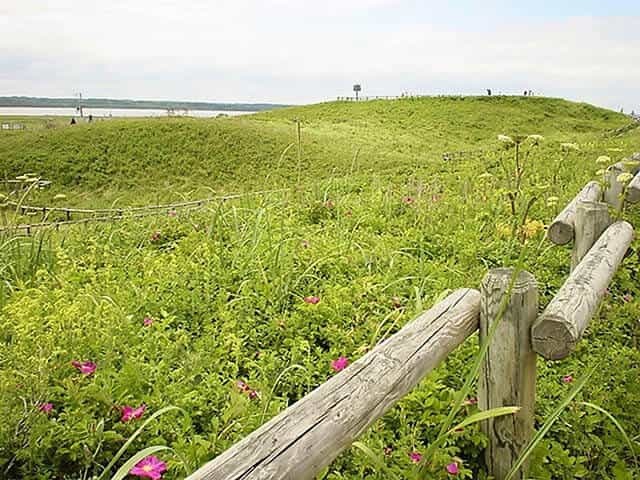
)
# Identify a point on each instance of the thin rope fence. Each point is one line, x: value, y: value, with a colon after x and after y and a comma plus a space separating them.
x: 115, y: 214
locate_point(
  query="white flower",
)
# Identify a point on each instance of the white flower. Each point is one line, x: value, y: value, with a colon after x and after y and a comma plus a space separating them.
x: 506, y: 139
x: 569, y: 146
x: 624, y: 178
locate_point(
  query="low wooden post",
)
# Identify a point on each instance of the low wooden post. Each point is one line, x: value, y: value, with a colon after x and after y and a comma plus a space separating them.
x: 613, y: 193
x: 561, y: 231
x: 557, y: 331
x: 508, y: 375
x: 633, y: 191
x: 592, y: 219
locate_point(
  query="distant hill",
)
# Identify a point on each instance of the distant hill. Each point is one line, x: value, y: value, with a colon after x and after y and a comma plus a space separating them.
x: 390, y: 136
x: 140, y: 104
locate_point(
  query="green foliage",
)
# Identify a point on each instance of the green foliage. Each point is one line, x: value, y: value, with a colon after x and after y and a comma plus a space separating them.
x: 378, y: 236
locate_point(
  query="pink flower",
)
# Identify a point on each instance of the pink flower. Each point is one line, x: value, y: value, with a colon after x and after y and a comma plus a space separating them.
x: 45, y: 407
x: 416, y: 457
x: 243, y: 387
x: 408, y: 200
x: 453, y: 469
x: 149, y: 467
x: 339, y: 364
x: 148, y: 321
x: 155, y: 236
x: 305, y: 243
x: 312, y: 300
x: 329, y: 204
x: 253, y: 394
x: 172, y: 213
x: 388, y: 450
x: 567, y: 379
x: 130, y: 413
x: 627, y: 297
x: 85, y: 368
x: 471, y: 401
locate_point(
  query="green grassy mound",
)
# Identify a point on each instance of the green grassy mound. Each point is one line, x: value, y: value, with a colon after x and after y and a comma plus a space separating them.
x: 378, y: 238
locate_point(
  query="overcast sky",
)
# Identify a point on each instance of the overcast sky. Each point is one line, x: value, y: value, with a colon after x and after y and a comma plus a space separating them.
x: 307, y: 51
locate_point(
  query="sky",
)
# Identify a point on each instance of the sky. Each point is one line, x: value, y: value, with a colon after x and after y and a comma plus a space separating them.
x: 287, y: 51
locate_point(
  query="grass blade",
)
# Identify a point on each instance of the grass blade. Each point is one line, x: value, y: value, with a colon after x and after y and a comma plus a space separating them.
x: 618, y: 426
x: 522, y: 458
x: 484, y: 415
x: 132, y: 438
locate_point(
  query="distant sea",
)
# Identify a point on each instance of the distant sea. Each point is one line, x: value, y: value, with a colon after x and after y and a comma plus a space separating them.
x: 110, y: 112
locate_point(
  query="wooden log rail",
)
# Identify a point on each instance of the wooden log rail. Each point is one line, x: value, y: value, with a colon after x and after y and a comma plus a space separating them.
x: 306, y: 437
x: 557, y: 331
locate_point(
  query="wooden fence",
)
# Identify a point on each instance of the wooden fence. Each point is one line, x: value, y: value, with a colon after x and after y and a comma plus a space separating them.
x: 306, y: 437
x: 12, y: 126
x: 91, y: 215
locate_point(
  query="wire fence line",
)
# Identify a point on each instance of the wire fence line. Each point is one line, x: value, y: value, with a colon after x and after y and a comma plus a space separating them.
x: 114, y: 214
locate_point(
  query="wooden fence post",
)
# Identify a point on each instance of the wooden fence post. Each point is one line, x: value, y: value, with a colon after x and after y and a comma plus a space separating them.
x: 508, y: 375
x: 592, y: 219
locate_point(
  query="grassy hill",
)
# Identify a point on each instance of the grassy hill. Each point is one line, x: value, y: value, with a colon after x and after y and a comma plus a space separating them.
x: 391, y: 136
x: 377, y: 236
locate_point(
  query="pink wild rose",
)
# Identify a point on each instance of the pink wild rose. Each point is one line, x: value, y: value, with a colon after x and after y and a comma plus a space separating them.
x: 149, y: 467
x: 339, y: 364
x: 627, y: 297
x: 130, y: 413
x: 46, y: 407
x: 453, y: 469
x: 471, y: 401
x: 147, y: 321
x: 312, y: 300
x: 85, y: 368
x: 416, y: 457
x: 567, y: 379
x: 242, y: 386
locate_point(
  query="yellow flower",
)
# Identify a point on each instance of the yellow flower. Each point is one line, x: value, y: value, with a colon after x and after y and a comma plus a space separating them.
x: 503, y: 230
x: 624, y: 178
x: 552, y: 201
x: 531, y: 228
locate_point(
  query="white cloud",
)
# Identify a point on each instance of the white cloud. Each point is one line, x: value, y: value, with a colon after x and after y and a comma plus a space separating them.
x: 296, y: 51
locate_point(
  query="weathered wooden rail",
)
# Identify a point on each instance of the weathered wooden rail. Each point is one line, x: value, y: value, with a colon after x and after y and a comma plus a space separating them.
x: 310, y: 434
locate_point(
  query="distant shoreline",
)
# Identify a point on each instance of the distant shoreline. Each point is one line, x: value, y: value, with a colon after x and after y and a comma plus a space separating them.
x: 43, y: 102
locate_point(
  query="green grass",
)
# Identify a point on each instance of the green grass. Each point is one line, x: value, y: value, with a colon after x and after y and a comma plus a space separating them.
x: 226, y: 284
